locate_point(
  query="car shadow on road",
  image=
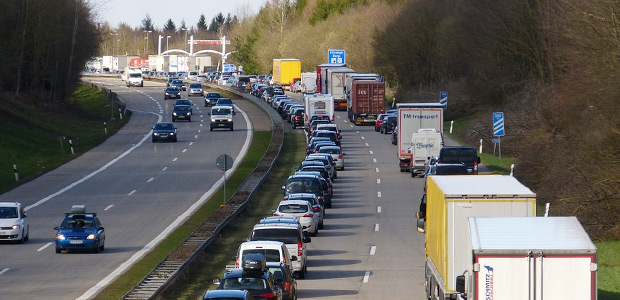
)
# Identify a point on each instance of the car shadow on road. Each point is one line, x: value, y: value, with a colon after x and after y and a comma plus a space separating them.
x: 324, y: 234
x: 316, y: 293
x: 339, y: 226
x: 349, y: 215
x: 315, y: 263
x: 332, y: 274
x: 325, y: 252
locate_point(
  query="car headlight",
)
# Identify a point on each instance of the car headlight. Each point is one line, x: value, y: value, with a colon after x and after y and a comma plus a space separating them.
x: 229, y: 120
x: 15, y: 227
x: 188, y: 114
x: 167, y: 94
x: 172, y: 133
x: 213, y: 120
x: 60, y: 237
x: 174, y: 114
x: 155, y: 134
x: 91, y: 236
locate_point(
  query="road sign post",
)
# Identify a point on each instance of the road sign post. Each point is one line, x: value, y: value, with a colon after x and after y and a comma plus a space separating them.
x: 224, y: 162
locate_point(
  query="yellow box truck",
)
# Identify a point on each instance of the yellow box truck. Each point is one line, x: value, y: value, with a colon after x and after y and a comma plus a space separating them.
x: 444, y: 211
x: 285, y: 70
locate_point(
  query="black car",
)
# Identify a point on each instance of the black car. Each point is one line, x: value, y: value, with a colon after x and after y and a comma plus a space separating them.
x: 226, y: 102
x: 182, y: 112
x: 254, y: 276
x: 185, y: 102
x: 388, y: 124
x: 304, y: 184
x: 227, y: 295
x: 283, y: 275
x: 164, y: 131
x: 459, y: 154
x: 297, y: 118
x: 179, y: 84
x: 211, y: 98
x: 172, y: 92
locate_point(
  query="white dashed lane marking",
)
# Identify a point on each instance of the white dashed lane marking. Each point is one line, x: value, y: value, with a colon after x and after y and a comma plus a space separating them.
x: 109, y: 206
x: 366, y: 277
x: 44, y: 246
x: 378, y: 209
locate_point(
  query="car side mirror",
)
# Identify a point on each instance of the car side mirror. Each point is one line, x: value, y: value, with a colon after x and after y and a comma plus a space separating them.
x: 56, y: 228
x: 460, y: 283
x: 421, y: 225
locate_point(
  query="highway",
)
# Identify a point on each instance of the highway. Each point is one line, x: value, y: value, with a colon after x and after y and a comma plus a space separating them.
x: 138, y: 189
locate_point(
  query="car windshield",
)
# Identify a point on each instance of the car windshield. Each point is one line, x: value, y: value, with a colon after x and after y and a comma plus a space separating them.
x: 329, y: 150
x: 213, y: 95
x: 164, y: 126
x: 224, y: 101
x: 246, y: 283
x: 293, y: 208
x: 220, y: 111
x: 183, y: 102
x: 181, y: 108
x: 271, y: 255
x: 172, y: 89
x: 287, y: 236
x: 78, y: 222
x: 177, y: 81
x: 195, y: 85
x: 134, y: 75
x: 8, y: 212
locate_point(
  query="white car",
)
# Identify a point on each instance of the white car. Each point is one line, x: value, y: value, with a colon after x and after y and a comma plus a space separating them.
x: 336, y: 153
x: 13, y: 222
x: 314, y: 201
x: 303, y: 211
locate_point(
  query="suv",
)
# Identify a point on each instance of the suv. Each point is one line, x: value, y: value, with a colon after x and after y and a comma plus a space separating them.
x: 80, y: 231
x: 459, y: 154
x: 297, y: 118
x: 254, y: 276
x: 273, y: 251
x: 284, y: 278
x: 292, y: 236
x: 195, y: 88
x: 221, y: 117
x: 13, y: 222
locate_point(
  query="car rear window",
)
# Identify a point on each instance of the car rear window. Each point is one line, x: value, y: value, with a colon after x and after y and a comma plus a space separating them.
x: 466, y: 155
x: 284, y: 235
x: 244, y: 283
x: 271, y: 255
x: 293, y: 208
x: 450, y: 170
x: 303, y: 186
x: 329, y: 150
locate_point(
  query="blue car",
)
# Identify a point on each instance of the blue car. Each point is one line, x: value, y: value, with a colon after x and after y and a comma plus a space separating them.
x: 80, y: 231
x: 164, y: 131
x: 172, y: 92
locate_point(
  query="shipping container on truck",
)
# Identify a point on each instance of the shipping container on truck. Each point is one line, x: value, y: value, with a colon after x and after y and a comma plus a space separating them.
x: 334, y: 85
x: 318, y: 104
x: 350, y: 77
x: 528, y: 258
x: 412, y: 117
x: 308, y: 82
x: 321, y: 73
x: 443, y: 217
x: 284, y: 70
x: 367, y: 101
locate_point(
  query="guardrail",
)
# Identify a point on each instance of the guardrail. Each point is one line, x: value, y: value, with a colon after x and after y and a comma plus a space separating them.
x: 169, y: 270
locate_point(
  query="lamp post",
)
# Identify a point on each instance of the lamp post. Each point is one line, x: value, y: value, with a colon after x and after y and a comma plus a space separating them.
x: 146, y: 48
x: 185, y: 41
x: 114, y: 34
x: 167, y: 38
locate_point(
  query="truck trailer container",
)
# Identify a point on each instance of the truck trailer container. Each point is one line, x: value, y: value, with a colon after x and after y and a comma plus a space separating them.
x: 528, y: 258
x: 334, y: 85
x: 284, y: 70
x: 443, y: 217
x: 411, y: 118
x: 367, y: 101
x: 321, y: 72
x: 308, y: 82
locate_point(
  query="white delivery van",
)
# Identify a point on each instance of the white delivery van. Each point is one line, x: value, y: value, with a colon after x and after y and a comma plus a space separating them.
x: 221, y: 117
x: 272, y: 251
x: 425, y: 143
x: 318, y: 104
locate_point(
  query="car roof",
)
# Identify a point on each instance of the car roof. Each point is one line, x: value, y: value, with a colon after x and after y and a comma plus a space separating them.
x: 261, y: 243
x: 285, y: 202
x: 292, y: 195
x: 302, y: 177
x: 220, y: 107
x: 10, y: 204
x: 289, y: 225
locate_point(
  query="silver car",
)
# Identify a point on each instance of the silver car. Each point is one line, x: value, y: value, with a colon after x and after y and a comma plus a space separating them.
x: 195, y: 88
x: 336, y: 153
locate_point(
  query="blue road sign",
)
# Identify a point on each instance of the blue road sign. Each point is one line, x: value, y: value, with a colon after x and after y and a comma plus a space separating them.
x: 229, y: 68
x: 336, y: 56
x: 498, y: 124
x: 443, y: 99
x: 495, y: 141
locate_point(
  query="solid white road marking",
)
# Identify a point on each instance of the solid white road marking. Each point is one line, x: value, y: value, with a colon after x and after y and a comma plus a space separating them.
x: 373, y: 249
x: 44, y: 246
x: 379, y: 209
x: 131, y: 193
x: 150, y: 179
x: 378, y: 181
x: 366, y: 277
x: 4, y: 271
x: 378, y: 194
x: 376, y: 227
x: 109, y: 206
x: 371, y: 153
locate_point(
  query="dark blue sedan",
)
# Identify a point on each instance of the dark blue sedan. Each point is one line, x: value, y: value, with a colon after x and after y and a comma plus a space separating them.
x: 172, y: 92
x: 164, y: 131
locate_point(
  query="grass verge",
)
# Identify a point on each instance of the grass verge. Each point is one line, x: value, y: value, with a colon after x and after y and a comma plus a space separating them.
x: 137, y: 272
x: 609, y: 270
x: 32, y: 131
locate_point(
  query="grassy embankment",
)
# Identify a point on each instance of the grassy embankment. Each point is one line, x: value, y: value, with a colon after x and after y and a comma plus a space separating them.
x: 31, y: 132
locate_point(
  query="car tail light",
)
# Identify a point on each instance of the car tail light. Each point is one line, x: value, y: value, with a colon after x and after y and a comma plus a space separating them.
x: 308, y: 215
x: 300, y: 249
x: 277, y: 215
x: 271, y: 295
x: 475, y: 168
x: 316, y: 208
x: 320, y: 198
x: 329, y: 191
x: 287, y: 286
x: 340, y: 156
x: 285, y: 197
x: 297, y: 117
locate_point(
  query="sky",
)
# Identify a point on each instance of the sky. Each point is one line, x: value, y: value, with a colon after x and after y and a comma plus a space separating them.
x: 133, y: 11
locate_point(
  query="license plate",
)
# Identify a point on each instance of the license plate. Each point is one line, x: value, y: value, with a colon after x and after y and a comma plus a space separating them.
x: 76, y: 242
x: 4, y: 233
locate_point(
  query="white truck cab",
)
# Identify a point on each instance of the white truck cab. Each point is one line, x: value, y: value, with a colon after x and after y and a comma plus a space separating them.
x: 425, y: 143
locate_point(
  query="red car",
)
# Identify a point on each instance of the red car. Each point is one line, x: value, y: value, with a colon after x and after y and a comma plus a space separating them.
x: 378, y: 122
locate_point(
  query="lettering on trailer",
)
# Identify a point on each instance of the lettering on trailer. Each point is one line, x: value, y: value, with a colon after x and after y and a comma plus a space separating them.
x: 427, y: 145
x: 488, y: 295
x: 427, y: 117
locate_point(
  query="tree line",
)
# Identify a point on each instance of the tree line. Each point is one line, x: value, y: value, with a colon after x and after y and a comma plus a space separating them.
x: 44, y: 46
